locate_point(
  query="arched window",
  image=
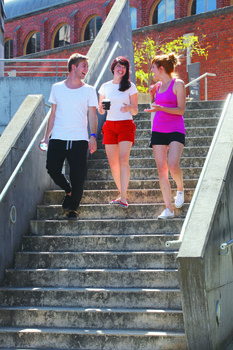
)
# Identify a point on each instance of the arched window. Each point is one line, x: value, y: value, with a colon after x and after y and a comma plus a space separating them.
x: 164, y: 11
x: 92, y: 28
x: 33, y: 43
x: 133, y: 14
x: 62, y: 36
x: 8, y: 49
x: 199, y: 6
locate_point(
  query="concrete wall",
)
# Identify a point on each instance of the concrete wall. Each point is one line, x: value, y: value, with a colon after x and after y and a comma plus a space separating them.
x: 28, y: 187
x: 15, y: 89
x: 206, y: 276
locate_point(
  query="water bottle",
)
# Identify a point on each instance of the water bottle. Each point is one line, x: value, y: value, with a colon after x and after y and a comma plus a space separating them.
x: 43, y: 146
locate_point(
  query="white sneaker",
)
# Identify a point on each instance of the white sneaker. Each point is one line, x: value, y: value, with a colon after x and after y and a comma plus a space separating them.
x: 179, y: 199
x: 166, y: 214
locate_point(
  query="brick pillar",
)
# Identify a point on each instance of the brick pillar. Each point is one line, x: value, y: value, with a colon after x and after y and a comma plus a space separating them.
x: 44, y: 35
x: 75, y: 31
x: 145, y: 13
x: 223, y: 3
x: 17, y: 45
x: 178, y: 9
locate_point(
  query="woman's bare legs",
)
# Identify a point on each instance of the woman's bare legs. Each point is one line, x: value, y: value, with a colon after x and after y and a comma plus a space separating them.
x: 118, y: 158
x: 166, y: 163
x: 160, y: 154
x: 124, y: 152
x: 174, y: 155
x: 112, y: 152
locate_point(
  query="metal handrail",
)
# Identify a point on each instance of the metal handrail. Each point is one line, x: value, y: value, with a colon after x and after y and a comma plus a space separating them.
x: 23, y: 157
x: 199, y: 78
x: 179, y: 241
x: 33, y: 60
x: 225, y: 246
x: 13, y: 175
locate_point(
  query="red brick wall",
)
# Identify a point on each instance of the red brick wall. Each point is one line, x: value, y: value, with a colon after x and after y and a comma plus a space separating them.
x: 219, y: 38
x: 216, y: 25
x: 54, y: 17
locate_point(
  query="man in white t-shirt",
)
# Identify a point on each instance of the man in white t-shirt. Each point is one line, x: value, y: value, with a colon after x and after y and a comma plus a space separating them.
x: 67, y: 133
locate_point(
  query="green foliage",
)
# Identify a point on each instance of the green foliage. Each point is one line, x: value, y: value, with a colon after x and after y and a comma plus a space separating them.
x: 146, y: 50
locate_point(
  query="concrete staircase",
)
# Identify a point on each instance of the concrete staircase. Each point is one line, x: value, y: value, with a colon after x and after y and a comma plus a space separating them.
x: 106, y: 281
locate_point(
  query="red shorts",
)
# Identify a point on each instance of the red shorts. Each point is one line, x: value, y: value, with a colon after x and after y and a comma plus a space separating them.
x: 118, y: 131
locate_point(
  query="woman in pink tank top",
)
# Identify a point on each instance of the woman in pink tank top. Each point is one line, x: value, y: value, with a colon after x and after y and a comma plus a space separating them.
x: 168, y: 130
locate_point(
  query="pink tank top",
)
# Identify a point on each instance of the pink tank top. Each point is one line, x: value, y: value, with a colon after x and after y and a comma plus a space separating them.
x: 166, y: 122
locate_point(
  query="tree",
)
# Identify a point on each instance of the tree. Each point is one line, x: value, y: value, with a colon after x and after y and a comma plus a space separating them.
x: 146, y: 50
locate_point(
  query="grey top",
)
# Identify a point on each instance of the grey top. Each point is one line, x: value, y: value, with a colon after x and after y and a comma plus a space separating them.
x: 16, y: 8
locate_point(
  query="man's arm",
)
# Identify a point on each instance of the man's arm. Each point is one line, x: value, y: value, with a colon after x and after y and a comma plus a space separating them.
x: 50, y: 124
x: 93, y: 128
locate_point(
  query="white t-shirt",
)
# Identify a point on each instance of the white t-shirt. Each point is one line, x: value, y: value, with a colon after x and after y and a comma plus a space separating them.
x: 117, y: 98
x: 71, y: 113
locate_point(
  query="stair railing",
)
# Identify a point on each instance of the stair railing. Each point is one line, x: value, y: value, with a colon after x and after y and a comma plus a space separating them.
x: 179, y: 241
x: 13, y: 69
x: 224, y: 247
x: 31, y: 144
x: 199, y: 78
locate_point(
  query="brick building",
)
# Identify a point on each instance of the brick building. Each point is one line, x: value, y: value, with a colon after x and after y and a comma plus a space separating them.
x: 57, y: 28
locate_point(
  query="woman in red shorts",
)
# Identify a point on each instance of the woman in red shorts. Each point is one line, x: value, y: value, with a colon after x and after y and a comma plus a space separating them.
x: 119, y: 128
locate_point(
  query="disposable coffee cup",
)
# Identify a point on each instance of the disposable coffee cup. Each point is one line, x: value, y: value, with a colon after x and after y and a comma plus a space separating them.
x: 43, y: 146
x: 107, y: 104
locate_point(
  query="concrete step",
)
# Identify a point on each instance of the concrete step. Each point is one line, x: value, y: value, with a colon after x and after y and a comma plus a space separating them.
x: 190, y: 141
x: 189, y: 122
x: 146, y: 162
x: 105, y: 226
x: 92, y: 339
x: 97, y: 243
x: 147, y: 152
x: 93, y: 260
x: 102, y: 278
x: 134, y: 184
x: 161, y: 298
x: 190, y: 131
x: 194, y: 105
x: 143, y: 143
x: 141, y: 173
x: 104, y: 318
x: 106, y: 211
x: 198, y: 113
x: 105, y: 196
x: 205, y: 105
x: 106, y: 281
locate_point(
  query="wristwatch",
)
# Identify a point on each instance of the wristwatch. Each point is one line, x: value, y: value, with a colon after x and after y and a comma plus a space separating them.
x: 93, y: 135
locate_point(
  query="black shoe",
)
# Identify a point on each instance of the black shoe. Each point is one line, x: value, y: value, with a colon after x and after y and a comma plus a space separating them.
x: 66, y: 202
x: 72, y: 215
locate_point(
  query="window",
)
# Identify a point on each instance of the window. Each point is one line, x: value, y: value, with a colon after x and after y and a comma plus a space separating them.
x: 199, y: 6
x: 164, y: 11
x: 133, y: 14
x: 33, y: 43
x: 92, y: 28
x: 8, y: 49
x: 62, y: 36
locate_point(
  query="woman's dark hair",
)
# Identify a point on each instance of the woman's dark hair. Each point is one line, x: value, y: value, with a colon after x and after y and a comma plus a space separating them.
x: 125, y: 82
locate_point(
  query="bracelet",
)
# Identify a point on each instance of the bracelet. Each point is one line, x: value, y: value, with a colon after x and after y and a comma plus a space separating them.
x: 93, y: 135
